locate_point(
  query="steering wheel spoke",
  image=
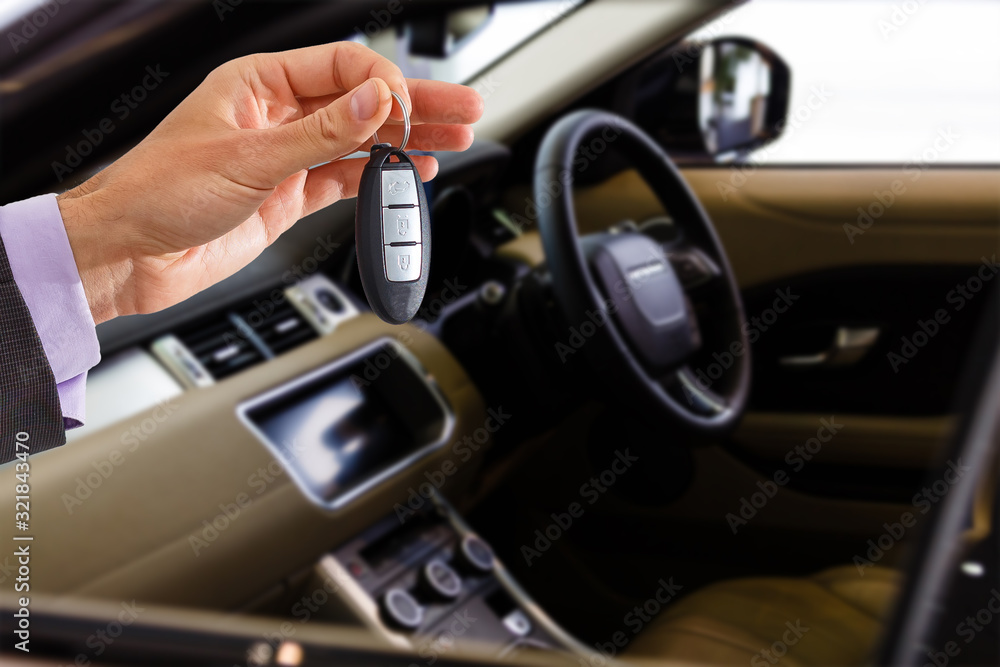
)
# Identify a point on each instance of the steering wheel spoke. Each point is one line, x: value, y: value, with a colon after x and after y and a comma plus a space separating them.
x: 694, y: 267
x: 695, y: 393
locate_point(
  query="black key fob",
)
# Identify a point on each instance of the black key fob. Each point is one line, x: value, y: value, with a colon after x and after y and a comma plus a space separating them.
x: 392, y: 228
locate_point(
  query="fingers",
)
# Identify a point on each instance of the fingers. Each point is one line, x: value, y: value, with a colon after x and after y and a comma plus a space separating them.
x: 440, y: 102
x: 339, y: 180
x: 424, y: 137
x: 427, y: 137
x: 330, y: 69
x: 440, y: 118
x: 433, y: 102
x: 335, y: 130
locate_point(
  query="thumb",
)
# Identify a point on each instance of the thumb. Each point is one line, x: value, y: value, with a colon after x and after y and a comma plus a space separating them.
x: 331, y: 132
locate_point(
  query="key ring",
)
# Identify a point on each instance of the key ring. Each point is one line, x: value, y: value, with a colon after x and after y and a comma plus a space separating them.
x: 406, y: 123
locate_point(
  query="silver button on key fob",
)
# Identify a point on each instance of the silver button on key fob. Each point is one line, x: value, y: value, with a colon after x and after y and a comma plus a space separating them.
x: 393, y: 233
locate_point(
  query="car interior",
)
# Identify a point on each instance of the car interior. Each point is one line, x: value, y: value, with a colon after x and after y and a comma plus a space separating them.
x: 667, y: 400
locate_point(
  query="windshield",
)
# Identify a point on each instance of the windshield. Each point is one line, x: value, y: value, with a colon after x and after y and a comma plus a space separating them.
x: 509, y: 26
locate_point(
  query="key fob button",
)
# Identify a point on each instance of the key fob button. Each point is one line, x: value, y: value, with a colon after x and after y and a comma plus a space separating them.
x: 398, y: 188
x: 402, y: 263
x: 400, y: 225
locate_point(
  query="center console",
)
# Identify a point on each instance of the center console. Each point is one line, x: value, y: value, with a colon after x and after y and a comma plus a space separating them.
x: 425, y: 582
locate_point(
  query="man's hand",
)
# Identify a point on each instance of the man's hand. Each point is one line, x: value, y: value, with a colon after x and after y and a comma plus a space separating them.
x: 227, y: 172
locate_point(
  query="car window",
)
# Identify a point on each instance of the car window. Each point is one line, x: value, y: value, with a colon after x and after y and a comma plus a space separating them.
x: 509, y: 25
x: 885, y: 81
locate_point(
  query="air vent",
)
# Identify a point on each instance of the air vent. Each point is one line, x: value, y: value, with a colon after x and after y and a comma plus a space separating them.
x: 221, y: 346
x: 252, y: 331
x: 281, y: 330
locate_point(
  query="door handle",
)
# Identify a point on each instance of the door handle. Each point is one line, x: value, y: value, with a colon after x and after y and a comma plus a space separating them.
x: 849, y: 345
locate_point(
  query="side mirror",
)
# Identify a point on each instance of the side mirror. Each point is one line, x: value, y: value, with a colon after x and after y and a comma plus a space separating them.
x: 743, y: 95
x: 709, y: 100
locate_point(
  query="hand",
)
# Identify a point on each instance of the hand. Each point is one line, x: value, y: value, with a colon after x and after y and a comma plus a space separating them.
x: 227, y: 171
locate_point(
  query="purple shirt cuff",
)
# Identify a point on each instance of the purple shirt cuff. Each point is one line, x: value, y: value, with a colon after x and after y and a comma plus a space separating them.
x: 73, y: 398
x: 44, y: 269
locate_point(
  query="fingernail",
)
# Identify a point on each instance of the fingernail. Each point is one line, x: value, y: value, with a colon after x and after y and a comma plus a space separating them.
x: 365, y: 102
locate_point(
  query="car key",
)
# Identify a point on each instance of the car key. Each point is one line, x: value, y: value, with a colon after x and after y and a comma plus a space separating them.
x: 392, y: 229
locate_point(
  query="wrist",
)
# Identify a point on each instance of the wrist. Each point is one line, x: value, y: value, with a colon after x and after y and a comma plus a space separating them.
x: 103, y: 265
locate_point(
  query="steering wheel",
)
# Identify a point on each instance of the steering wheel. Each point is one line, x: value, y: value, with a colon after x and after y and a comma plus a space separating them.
x: 655, y: 309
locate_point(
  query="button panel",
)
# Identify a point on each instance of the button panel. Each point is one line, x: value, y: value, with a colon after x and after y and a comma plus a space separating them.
x: 399, y: 188
x: 401, y: 226
x: 402, y: 263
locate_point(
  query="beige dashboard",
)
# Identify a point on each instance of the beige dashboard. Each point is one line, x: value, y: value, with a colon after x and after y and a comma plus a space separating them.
x: 180, y: 504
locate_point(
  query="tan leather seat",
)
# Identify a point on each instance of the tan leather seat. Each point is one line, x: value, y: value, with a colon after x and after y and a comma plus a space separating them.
x: 832, y: 618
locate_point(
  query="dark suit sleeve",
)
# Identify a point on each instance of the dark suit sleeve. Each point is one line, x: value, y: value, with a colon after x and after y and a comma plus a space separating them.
x: 29, y: 401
